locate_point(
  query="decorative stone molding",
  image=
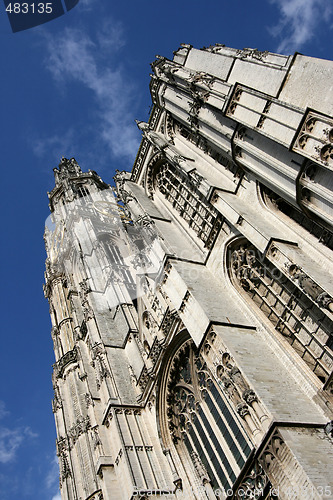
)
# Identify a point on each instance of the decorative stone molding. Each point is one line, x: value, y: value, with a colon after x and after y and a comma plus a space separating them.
x: 253, y: 485
x: 140, y: 159
x: 242, y: 396
x: 62, y: 445
x: 57, y: 401
x: 65, y: 469
x: 168, y: 321
x: 83, y: 294
x: 308, y: 285
x: 96, y: 437
x: 315, y: 138
x: 202, y: 78
x: 144, y: 378
x: 69, y: 358
x: 97, y: 495
x: 88, y: 400
x: 200, y: 468
x: 156, y: 350
x: 252, y: 54
x: 81, y: 426
x: 149, y: 181
x: 250, y: 396
x: 184, y: 301
x: 167, y: 270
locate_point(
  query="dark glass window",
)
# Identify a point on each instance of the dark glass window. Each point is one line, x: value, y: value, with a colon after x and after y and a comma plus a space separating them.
x: 200, y: 418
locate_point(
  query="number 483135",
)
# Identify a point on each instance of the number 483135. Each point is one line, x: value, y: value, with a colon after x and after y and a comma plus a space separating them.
x: 32, y: 8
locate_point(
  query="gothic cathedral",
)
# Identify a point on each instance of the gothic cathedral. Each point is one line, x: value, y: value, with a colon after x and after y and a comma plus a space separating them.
x: 192, y: 304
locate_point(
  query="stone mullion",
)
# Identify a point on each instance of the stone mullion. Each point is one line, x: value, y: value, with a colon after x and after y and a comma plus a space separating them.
x: 203, y: 448
x: 231, y: 432
x: 221, y: 440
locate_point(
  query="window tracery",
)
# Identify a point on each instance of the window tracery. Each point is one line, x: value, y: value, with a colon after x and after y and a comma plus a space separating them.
x: 82, y: 191
x: 187, y: 200
x: 292, y: 313
x: 201, y: 422
x: 119, y: 271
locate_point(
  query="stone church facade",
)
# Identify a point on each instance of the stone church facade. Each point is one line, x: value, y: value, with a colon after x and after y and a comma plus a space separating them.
x: 192, y: 305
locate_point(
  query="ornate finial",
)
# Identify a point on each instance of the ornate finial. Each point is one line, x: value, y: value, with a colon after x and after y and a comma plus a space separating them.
x: 66, y: 168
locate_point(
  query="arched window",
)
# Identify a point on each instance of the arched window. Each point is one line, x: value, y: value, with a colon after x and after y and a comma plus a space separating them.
x: 203, y: 426
x: 82, y: 190
x: 115, y: 252
x: 179, y: 189
x: 291, y: 311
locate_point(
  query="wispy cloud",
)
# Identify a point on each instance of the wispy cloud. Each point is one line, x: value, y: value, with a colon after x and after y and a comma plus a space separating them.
x: 299, y: 21
x: 90, y: 62
x: 55, y: 146
x: 11, y: 440
x: 3, y: 411
x: 52, y: 477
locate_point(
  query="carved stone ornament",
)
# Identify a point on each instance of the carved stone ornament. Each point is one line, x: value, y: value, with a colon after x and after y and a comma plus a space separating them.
x: 253, y: 484
x: 65, y: 470
x: 67, y: 168
x: 67, y: 359
x: 200, y: 468
x: 315, y: 138
x: 243, y: 409
x: 81, y: 426
x: 252, y: 54
x: 308, y: 286
x: 156, y: 350
x: 168, y: 321
x: 250, y: 396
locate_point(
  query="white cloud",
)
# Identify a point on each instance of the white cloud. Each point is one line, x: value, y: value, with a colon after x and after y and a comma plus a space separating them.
x: 87, y: 4
x: 52, y: 477
x: 57, y: 497
x: 11, y: 440
x: 3, y: 411
x: 55, y: 146
x: 74, y: 57
x: 299, y: 21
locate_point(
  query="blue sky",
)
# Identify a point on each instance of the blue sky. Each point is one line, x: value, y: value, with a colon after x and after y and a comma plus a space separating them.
x: 73, y: 87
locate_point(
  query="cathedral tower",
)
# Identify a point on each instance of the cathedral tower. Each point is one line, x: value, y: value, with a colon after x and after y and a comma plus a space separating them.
x: 192, y: 305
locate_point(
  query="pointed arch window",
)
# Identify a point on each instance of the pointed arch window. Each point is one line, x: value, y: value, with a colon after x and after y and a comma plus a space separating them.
x: 180, y: 190
x: 292, y: 312
x: 82, y: 191
x: 115, y: 258
x: 201, y: 422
